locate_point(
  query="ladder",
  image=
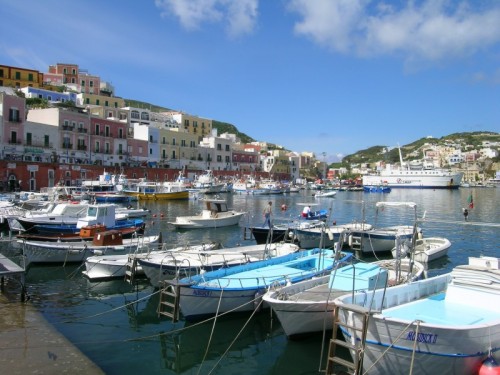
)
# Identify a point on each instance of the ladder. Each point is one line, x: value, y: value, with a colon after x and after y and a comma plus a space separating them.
x: 130, y: 268
x: 355, y: 243
x: 357, y: 343
x: 169, y: 300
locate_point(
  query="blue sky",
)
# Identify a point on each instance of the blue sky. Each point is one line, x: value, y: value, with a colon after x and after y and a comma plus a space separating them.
x: 327, y: 76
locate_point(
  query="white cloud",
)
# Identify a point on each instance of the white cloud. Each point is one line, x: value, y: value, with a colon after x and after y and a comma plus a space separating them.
x: 240, y: 16
x: 429, y: 30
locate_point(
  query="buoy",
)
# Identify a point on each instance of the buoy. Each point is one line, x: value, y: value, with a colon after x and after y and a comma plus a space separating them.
x: 154, y: 215
x: 162, y: 215
x: 283, y: 207
x: 489, y: 367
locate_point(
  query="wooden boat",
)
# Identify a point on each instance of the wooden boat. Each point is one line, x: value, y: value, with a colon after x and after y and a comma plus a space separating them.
x: 103, y: 242
x: 307, y: 307
x: 147, y: 190
x: 215, y: 215
x: 447, y: 324
x: 96, y: 215
x: 425, y: 249
x: 237, y: 289
x: 161, y: 267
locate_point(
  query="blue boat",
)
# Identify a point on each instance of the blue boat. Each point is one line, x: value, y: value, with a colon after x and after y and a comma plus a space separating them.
x: 376, y: 189
x: 97, y: 214
x: 316, y: 215
x: 240, y: 288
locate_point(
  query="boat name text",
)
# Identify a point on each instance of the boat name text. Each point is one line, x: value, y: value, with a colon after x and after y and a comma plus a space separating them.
x: 427, y: 338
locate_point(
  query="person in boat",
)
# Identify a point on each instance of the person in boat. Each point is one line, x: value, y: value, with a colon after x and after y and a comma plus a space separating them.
x: 267, y: 214
x: 306, y: 212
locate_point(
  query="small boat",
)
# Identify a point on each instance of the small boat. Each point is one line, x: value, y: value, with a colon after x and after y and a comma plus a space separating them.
x: 240, y: 288
x: 160, y: 267
x: 281, y: 231
x: 100, y: 267
x: 148, y: 190
x: 376, y: 189
x: 327, y: 236
x: 105, y: 242
x: 425, y: 249
x: 325, y: 194
x: 447, y: 324
x: 215, y: 215
x: 307, y: 307
x: 380, y: 240
x: 99, y: 218
x: 207, y: 183
x: 316, y: 215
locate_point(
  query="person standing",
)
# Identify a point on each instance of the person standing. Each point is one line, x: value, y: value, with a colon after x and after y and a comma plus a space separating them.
x: 466, y: 213
x: 267, y: 214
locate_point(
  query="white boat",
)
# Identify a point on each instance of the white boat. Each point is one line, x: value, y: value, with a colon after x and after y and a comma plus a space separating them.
x: 326, y: 236
x: 215, y: 215
x: 447, y: 324
x: 383, y: 239
x: 107, y: 242
x: 160, y: 267
x: 99, y: 267
x: 307, y: 307
x: 207, y: 183
x: 325, y: 194
x: 425, y: 249
x: 408, y: 176
x: 240, y: 288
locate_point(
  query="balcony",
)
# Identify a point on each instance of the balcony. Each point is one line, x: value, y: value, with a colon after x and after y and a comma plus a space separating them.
x: 67, y: 146
x: 14, y: 142
x: 81, y: 147
x: 68, y: 127
x: 82, y: 130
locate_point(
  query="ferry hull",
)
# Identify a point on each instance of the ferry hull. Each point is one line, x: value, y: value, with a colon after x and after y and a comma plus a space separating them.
x: 413, y: 179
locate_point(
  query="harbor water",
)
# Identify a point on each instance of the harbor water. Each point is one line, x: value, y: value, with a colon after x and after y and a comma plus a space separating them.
x: 117, y: 326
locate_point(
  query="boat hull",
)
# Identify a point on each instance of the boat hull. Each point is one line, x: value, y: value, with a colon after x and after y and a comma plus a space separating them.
x: 415, y: 179
x: 432, y: 326
x: 198, y: 222
x: 177, y: 195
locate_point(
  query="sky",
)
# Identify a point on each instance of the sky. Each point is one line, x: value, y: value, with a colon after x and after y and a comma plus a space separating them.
x: 326, y: 76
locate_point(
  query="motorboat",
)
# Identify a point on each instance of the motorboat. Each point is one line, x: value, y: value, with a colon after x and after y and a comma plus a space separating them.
x: 240, y: 288
x: 216, y: 214
x: 424, y: 250
x: 325, y: 194
x: 447, y: 324
x: 327, y: 235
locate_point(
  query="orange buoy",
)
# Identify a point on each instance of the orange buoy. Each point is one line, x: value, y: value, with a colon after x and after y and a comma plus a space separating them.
x: 489, y: 367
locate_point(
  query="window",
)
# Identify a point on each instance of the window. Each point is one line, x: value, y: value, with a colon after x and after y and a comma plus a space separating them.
x: 30, y: 77
x: 120, y: 133
x: 73, y: 71
x: 18, y: 75
x: 83, y: 83
x: 28, y: 139
x: 13, y: 137
x: 46, y: 141
x: 150, y: 151
x: 219, y: 158
x: 97, y: 101
x: 14, y: 115
x: 183, y: 143
x: 91, y: 83
x: 227, y: 148
x: 219, y: 146
x: 106, y: 103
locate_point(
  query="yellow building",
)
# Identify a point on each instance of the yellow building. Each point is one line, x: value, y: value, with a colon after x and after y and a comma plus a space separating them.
x: 20, y: 77
x: 177, y: 145
x: 102, y: 100
x: 201, y: 127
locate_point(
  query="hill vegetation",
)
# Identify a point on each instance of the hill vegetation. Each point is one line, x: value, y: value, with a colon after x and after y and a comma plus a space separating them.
x: 414, y: 150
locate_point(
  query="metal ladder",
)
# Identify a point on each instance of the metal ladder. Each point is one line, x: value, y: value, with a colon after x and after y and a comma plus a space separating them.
x: 169, y: 300
x: 130, y: 268
x: 358, y: 347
